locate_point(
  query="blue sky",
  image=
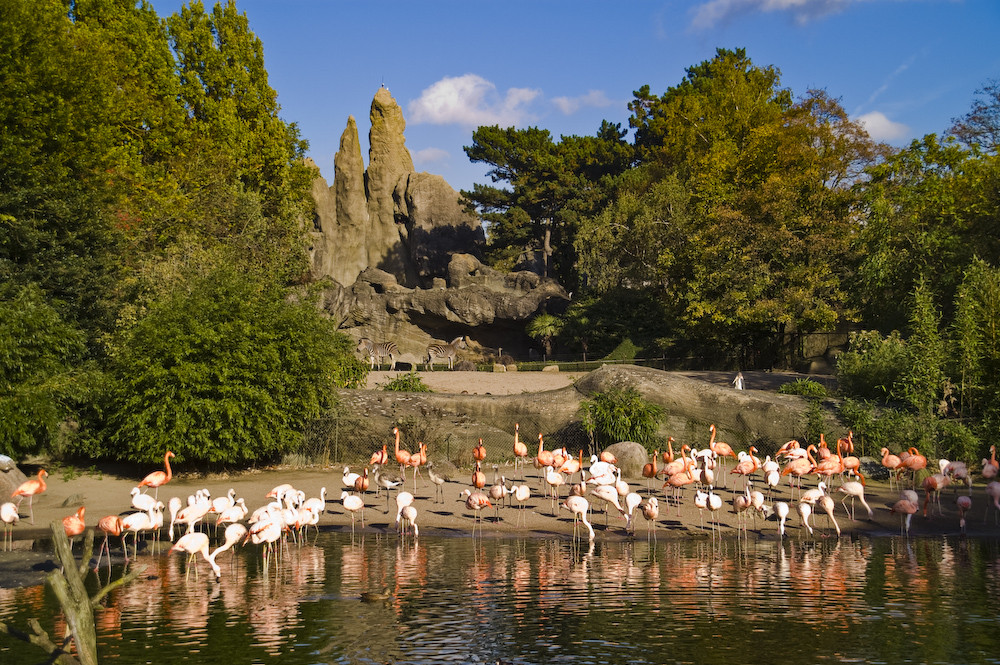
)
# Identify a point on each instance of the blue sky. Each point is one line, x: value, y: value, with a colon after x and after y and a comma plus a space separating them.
x: 904, y: 67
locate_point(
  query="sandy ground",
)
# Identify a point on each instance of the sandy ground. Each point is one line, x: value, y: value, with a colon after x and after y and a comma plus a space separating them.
x: 107, y: 493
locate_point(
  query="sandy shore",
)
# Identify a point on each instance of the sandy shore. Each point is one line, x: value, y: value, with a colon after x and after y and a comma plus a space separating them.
x: 107, y: 493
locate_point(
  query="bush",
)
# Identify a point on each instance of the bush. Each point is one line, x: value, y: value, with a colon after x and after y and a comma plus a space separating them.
x: 803, y: 387
x: 40, y: 360
x: 873, y: 367
x: 407, y: 383
x: 620, y: 415
x: 226, y: 370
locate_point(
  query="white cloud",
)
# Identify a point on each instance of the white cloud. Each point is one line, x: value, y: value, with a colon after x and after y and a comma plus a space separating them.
x: 570, y: 105
x: 473, y: 101
x: 710, y: 14
x: 881, y: 128
x: 431, y: 156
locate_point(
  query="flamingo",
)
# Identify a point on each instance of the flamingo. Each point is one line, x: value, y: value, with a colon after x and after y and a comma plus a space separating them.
x: 317, y: 504
x: 914, y: 463
x: 234, y: 534
x: 609, y: 494
x: 142, y: 501
x: 714, y: 503
x: 497, y: 492
x: 993, y: 492
x: 349, y: 477
x: 851, y: 462
x: 578, y: 505
x: 134, y: 523
x: 110, y: 525
x: 521, y: 494
x: 650, y: 471
x: 220, y: 504
x: 853, y: 490
x: 741, y: 503
x: 572, y: 466
x: 933, y: 485
x: 417, y: 460
x: 891, y: 463
x: 747, y: 464
x: 799, y: 467
x: 193, y: 544
x: 380, y: 456
x: 437, y: 480
x: 158, y: 478
x: 632, y: 501
x: 991, y: 466
x: 29, y: 488
x: 721, y: 450
x: 362, y: 484
x: 677, y: 482
x: 354, y: 504
x: 781, y: 510
x: 964, y: 504
x: 555, y: 480
x: 543, y: 459
x: 956, y: 471
x: 828, y: 505
x: 479, y: 478
x: 906, y: 510
x: 476, y: 501
x: 651, y: 511
x: 402, y: 456
x: 479, y: 451
x: 9, y: 517
x: 520, y: 449
x: 403, y: 499
x: 409, y: 517
x: 805, y: 510
x: 74, y: 525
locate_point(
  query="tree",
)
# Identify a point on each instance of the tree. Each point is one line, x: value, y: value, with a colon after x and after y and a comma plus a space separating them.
x: 226, y: 370
x: 550, y: 186
x: 544, y: 327
x: 980, y: 127
x: 41, y: 358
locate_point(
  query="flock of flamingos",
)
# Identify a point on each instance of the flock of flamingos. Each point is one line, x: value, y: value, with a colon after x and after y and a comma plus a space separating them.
x: 289, y: 512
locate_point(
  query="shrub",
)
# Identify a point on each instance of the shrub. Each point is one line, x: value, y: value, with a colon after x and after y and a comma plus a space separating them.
x: 873, y: 367
x: 620, y: 415
x: 226, y: 370
x: 407, y: 383
x: 803, y: 387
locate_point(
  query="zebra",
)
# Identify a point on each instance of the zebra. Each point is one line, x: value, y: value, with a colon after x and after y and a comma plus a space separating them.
x: 448, y: 351
x: 376, y: 352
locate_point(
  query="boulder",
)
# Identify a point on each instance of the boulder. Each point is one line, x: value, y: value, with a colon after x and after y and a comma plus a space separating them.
x: 631, y: 457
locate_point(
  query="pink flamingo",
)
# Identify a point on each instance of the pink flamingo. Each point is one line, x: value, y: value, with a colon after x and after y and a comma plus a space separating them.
x: 157, y: 478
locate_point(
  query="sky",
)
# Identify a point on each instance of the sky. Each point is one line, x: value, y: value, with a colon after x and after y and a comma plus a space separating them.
x: 905, y: 68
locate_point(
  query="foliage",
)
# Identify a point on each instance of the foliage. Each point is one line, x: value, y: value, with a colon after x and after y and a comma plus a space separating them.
x: 803, y: 387
x: 40, y: 362
x: 544, y: 327
x: 980, y: 127
x: 626, y: 350
x: 924, y: 379
x: 620, y: 415
x: 873, y: 367
x: 550, y: 185
x: 815, y: 421
x: 407, y: 383
x: 228, y: 370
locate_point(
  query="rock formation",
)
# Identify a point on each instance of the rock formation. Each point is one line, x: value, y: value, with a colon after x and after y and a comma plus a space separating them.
x: 404, y: 255
x: 389, y: 217
x: 487, y: 305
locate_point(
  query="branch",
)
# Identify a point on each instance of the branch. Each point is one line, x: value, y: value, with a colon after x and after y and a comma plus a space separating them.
x: 41, y: 639
x: 95, y: 600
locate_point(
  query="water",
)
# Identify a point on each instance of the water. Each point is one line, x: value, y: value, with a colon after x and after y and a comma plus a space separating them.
x: 464, y: 600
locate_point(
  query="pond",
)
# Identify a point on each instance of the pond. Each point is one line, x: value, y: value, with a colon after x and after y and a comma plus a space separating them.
x: 496, y: 600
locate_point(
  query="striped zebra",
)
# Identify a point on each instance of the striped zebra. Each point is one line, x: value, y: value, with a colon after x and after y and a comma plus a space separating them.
x: 448, y: 351
x: 376, y: 352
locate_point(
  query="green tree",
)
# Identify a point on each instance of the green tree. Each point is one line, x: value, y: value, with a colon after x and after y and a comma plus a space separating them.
x: 544, y: 327
x: 41, y: 365
x: 227, y: 370
x: 980, y: 127
x: 924, y: 379
x: 550, y: 185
